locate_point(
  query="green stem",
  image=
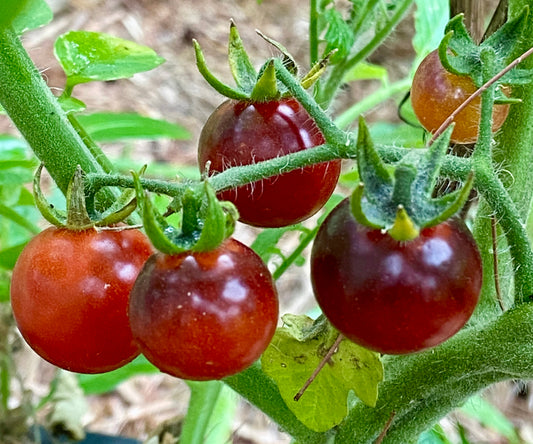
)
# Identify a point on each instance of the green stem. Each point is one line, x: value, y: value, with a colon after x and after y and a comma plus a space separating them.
x: 36, y: 113
x: 334, y: 80
x: 262, y: 392
x: 423, y: 387
x: 91, y: 145
x: 313, y: 32
x: 204, y: 396
x: 332, y: 134
x: 369, y: 102
x: 496, y: 195
x: 288, y: 261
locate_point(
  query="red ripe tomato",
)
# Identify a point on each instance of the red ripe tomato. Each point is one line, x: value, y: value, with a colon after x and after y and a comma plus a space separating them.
x: 395, y: 297
x: 207, y: 315
x: 436, y: 93
x: 241, y: 133
x: 69, y: 294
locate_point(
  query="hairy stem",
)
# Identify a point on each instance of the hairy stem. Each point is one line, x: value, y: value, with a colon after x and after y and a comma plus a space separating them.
x: 36, y: 113
x: 423, y: 387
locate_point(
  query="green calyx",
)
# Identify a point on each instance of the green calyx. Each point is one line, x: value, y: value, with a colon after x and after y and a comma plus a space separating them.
x: 401, y: 201
x: 205, y: 221
x: 252, y: 85
x: 460, y: 55
x: 77, y: 216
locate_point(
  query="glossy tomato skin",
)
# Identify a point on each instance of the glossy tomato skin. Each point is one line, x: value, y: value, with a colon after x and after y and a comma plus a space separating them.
x: 436, y: 93
x: 69, y: 294
x: 395, y: 297
x: 204, y: 315
x: 241, y: 133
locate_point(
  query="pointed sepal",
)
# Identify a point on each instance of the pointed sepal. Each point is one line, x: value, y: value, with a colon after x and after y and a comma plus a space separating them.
x: 48, y: 211
x: 460, y: 55
x: 241, y: 67
x: 218, y: 85
x: 205, y: 221
x: 288, y: 59
x: 266, y: 88
x: 402, y: 203
x: 77, y: 216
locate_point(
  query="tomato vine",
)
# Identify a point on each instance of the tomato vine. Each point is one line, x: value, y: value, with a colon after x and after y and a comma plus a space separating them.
x: 419, y: 388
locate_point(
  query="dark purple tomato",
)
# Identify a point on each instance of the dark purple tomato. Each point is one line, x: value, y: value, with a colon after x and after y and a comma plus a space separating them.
x: 437, y: 93
x: 204, y: 315
x: 241, y: 133
x: 69, y: 294
x: 395, y: 297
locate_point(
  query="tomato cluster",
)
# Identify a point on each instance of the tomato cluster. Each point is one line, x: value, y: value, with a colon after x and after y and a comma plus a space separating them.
x: 90, y: 301
x: 390, y: 296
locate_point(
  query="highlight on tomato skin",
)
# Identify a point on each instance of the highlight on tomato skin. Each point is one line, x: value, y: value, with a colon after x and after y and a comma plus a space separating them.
x: 241, y: 133
x: 395, y: 297
x: 437, y: 93
x: 204, y: 315
x: 69, y: 294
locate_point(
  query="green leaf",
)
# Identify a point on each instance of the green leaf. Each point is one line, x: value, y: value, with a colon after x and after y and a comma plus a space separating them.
x: 289, y: 361
x: 87, y: 56
x: 9, y: 256
x: 489, y: 416
x: 431, y: 17
x: 111, y: 127
x: 71, y: 105
x: 435, y: 435
x: 367, y: 71
x: 4, y: 297
x: 338, y: 36
x: 24, y: 15
x: 105, y: 382
x: 15, y: 217
x: 265, y: 244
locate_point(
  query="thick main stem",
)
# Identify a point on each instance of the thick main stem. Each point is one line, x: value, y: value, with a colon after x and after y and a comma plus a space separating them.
x: 36, y: 113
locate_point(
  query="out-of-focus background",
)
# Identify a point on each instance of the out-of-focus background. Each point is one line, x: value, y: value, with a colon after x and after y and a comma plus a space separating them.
x: 177, y: 92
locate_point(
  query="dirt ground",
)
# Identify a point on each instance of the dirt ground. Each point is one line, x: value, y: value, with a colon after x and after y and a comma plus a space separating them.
x: 176, y: 92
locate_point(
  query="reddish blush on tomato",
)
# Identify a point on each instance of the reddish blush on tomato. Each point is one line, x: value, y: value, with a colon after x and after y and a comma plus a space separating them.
x: 395, y: 297
x: 242, y: 133
x: 70, y: 292
x: 437, y: 93
x: 204, y: 315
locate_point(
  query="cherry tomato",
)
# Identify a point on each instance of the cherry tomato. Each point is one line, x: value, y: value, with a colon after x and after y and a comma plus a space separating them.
x: 69, y: 293
x: 436, y: 93
x: 395, y: 297
x: 241, y: 133
x: 204, y: 315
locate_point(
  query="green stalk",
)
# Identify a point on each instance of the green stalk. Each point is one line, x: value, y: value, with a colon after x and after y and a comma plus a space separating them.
x: 332, y: 83
x: 36, y: 113
x: 297, y: 252
x: 204, y: 396
x: 261, y: 391
x: 369, y: 102
x: 421, y: 388
x: 313, y: 32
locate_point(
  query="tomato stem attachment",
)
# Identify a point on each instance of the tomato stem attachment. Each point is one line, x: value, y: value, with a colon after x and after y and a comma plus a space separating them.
x: 404, y: 229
